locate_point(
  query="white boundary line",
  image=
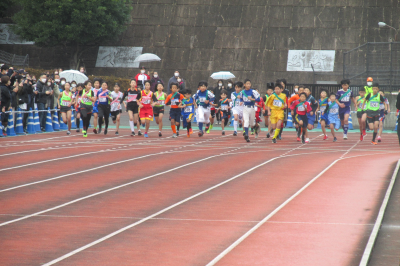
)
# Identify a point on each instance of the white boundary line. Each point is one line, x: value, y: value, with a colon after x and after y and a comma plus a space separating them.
x: 258, y: 225
x: 374, y: 234
x: 167, y: 209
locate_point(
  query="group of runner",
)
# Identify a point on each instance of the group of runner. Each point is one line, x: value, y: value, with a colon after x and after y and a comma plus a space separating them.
x: 245, y: 104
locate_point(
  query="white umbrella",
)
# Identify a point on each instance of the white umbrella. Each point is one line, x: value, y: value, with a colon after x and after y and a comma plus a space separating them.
x: 223, y: 75
x: 147, y: 58
x: 71, y: 75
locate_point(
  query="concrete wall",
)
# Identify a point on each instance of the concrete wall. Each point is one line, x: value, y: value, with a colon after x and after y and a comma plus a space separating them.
x: 250, y: 38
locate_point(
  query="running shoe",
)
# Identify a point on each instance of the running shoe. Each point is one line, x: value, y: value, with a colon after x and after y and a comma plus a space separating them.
x: 200, y: 133
x: 174, y: 135
x: 244, y: 132
x: 235, y: 133
x: 95, y: 131
x: 133, y: 134
x: 223, y: 133
x: 116, y: 133
x: 177, y: 133
x: 159, y: 134
x: 247, y: 138
x: 379, y: 139
x: 145, y: 135
x: 84, y: 131
x: 273, y: 140
x: 279, y: 137
x: 344, y: 136
x: 77, y: 130
x: 68, y: 132
x: 99, y: 130
x: 105, y: 131
x: 298, y: 139
x: 85, y: 134
x: 334, y: 139
x: 361, y: 137
x: 139, y: 133
x: 374, y: 143
x: 307, y: 140
x: 268, y: 135
x: 211, y: 127
x: 188, y: 135
x: 191, y: 131
x: 325, y: 137
x: 208, y: 130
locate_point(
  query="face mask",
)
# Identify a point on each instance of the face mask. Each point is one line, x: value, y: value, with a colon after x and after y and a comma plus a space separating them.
x: 369, y: 84
x: 156, y: 76
x: 220, y: 84
x: 82, y: 71
x: 63, y: 82
x: 230, y: 85
x: 179, y: 80
x: 73, y: 85
x: 56, y: 73
x: 176, y: 74
x: 44, y: 80
x: 143, y: 71
x: 48, y: 83
x: 296, y: 90
x: 57, y: 80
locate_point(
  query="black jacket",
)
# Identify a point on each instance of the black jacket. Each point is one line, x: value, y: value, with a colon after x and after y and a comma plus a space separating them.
x: 42, y: 97
x: 398, y: 102
x: 5, y: 96
x: 23, y: 94
x: 217, y: 92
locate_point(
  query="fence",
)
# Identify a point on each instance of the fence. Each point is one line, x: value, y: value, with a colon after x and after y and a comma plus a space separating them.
x: 379, y: 60
x: 13, y: 59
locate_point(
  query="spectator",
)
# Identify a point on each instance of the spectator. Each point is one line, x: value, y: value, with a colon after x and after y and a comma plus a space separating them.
x: 44, y: 98
x: 180, y: 83
x: 230, y: 88
x: 5, y: 99
x: 155, y: 81
x: 174, y: 79
x: 73, y: 86
x: 142, y: 77
x: 217, y: 92
x: 82, y: 69
x: 22, y: 96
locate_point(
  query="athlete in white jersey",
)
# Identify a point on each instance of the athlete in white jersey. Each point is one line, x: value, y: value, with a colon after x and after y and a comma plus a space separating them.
x: 116, y: 108
x: 237, y: 106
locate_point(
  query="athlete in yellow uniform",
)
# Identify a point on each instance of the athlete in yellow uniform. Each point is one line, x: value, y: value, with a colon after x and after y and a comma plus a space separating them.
x: 276, y: 105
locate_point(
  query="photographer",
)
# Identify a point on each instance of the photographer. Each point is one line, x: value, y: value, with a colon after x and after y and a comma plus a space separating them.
x: 24, y: 90
x: 45, y: 97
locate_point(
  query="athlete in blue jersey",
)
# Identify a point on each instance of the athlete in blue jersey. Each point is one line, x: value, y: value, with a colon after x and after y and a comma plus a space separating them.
x: 103, y: 97
x: 344, y: 97
x: 323, y: 119
x: 332, y: 110
x: 203, y: 99
x: 249, y: 97
x: 187, y: 106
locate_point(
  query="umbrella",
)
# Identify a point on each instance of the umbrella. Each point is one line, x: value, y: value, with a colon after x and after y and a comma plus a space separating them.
x: 223, y: 75
x: 71, y: 75
x: 147, y: 58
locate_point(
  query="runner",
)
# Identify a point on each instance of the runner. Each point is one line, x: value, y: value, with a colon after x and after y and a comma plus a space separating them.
x: 290, y: 101
x: 87, y: 101
x: 323, y: 119
x: 203, y: 99
x: 175, y: 112
x: 210, y: 125
x: 104, y: 98
x: 223, y: 108
x: 267, y: 121
x: 276, y: 106
x: 383, y: 112
x: 344, y: 97
x: 77, y: 100
x: 287, y: 93
x: 249, y: 97
x: 237, y: 106
x: 187, y: 106
x: 373, y: 100
x: 158, y: 108
x: 260, y: 109
x: 65, y: 105
x: 302, y: 107
x: 116, y: 109
x: 132, y: 107
x: 146, y: 103
x: 332, y: 110
x: 311, y: 115
x: 361, y: 113
x: 96, y: 83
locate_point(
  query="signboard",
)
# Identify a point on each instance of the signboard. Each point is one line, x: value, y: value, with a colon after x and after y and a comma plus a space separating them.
x: 118, y: 56
x: 302, y: 60
x: 9, y: 37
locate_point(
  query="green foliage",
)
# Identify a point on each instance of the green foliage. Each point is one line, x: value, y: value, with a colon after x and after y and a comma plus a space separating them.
x: 4, y: 6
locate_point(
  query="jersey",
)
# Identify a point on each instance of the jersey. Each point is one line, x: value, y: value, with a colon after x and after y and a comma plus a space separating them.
x: 344, y: 97
x: 133, y: 95
x: 382, y: 105
x: 66, y: 98
x: 277, y: 102
x: 103, y: 97
x: 236, y: 101
x: 116, y: 101
x: 224, y: 105
x: 189, y: 106
x: 333, y: 110
x: 244, y: 94
x: 95, y: 94
x: 202, y: 96
x: 161, y: 97
x: 147, y: 99
x: 360, y: 102
x: 174, y: 99
x: 302, y: 108
x: 313, y: 103
x: 322, y: 105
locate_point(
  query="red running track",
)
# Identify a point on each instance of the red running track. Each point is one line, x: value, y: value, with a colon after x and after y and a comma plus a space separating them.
x: 329, y: 221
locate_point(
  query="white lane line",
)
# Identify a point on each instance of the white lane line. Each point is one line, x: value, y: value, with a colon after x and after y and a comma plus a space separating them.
x: 258, y: 225
x: 163, y: 210
x: 374, y: 234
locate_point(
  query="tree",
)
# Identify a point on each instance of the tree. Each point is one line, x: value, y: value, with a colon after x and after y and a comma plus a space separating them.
x: 74, y: 24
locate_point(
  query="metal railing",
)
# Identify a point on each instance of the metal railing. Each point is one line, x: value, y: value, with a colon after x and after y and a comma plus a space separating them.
x: 13, y: 59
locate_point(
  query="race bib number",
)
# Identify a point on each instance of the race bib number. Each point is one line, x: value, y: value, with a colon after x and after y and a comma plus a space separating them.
x: 85, y: 100
x: 322, y: 109
x: 132, y: 97
x: 277, y: 103
x: 188, y: 109
x: 174, y: 102
x: 381, y: 106
x: 64, y: 103
x: 301, y: 108
x: 360, y: 105
x: 147, y: 101
x: 103, y: 100
x: 246, y: 99
x: 345, y: 99
x: 202, y: 99
x: 334, y: 111
x: 160, y: 102
x: 224, y: 107
x: 374, y: 104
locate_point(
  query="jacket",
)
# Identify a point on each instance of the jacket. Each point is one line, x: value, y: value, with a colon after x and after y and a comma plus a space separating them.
x: 154, y: 81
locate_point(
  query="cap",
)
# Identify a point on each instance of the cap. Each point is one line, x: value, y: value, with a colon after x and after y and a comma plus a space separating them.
x: 370, y: 79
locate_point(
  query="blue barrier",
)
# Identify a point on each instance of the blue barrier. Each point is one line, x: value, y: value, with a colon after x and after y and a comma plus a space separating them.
x: 19, y: 128
x: 31, y: 124
x: 10, y: 126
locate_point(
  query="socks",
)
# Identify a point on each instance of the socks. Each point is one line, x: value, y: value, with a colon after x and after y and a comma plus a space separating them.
x: 173, y: 129
x: 189, y: 126
x: 345, y: 128
x: 277, y: 132
x: 246, y: 131
x: 77, y: 122
x: 280, y: 133
x: 374, y: 136
x: 178, y: 126
x: 132, y: 126
x: 235, y: 125
x: 200, y: 126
